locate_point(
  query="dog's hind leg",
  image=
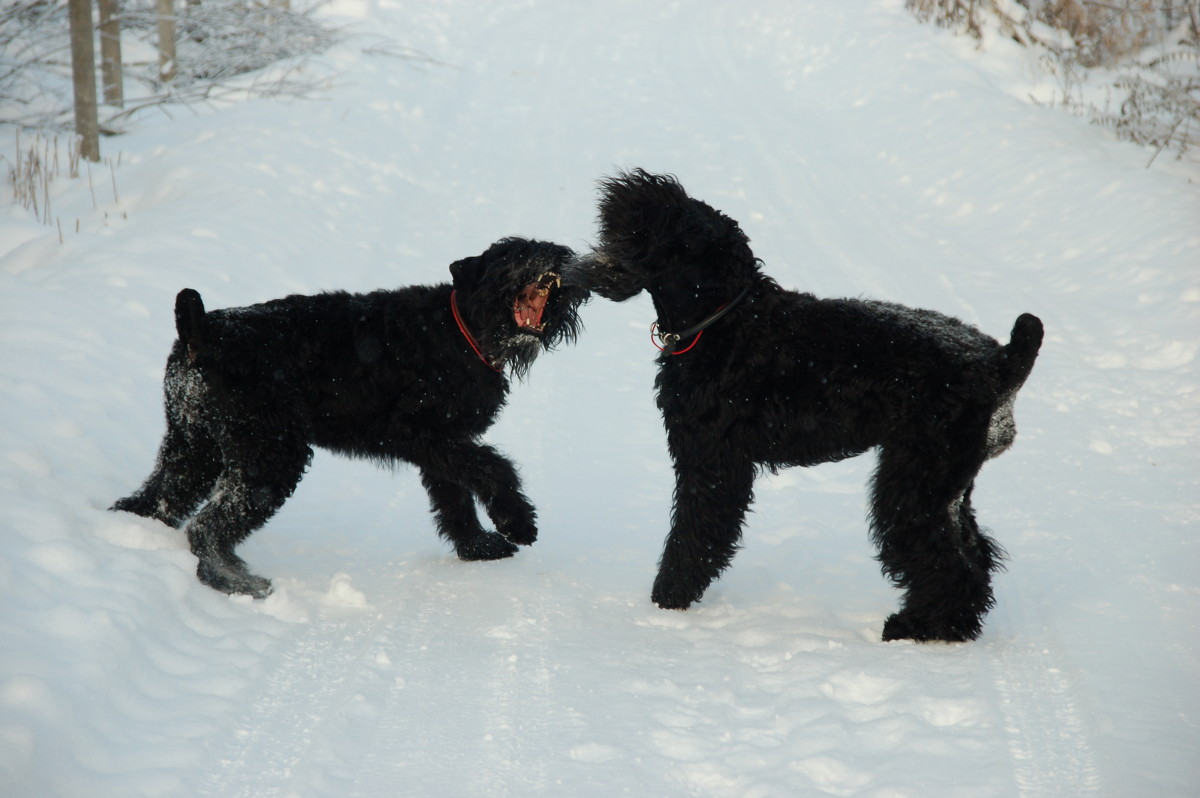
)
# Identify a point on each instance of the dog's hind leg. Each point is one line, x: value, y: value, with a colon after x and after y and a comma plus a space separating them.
x: 185, y: 471
x: 986, y: 552
x: 250, y: 489
x: 706, y: 526
x: 183, y: 476
x: 454, y: 513
x: 929, y: 542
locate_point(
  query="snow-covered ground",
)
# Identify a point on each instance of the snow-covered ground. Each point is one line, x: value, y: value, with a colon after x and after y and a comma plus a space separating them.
x: 864, y: 154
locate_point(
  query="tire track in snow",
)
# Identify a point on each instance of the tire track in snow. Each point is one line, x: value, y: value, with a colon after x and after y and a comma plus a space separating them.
x: 359, y: 702
x: 405, y: 699
x: 1047, y: 732
x: 474, y: 684
x: 520, y: 703
x: 288, y: 717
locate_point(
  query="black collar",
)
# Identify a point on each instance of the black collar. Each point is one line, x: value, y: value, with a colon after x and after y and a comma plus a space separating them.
x: 670, y: 341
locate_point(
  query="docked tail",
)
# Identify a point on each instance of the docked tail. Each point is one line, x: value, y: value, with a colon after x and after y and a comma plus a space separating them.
x: 1016, y: 362
x: 189, y: 320
x: 1021, y: 351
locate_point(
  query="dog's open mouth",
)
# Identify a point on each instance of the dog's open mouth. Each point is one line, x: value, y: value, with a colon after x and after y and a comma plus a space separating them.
x: 530, y: 305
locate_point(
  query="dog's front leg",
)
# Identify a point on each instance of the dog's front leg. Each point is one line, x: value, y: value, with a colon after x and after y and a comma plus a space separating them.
x: 711, y: 499
x: 499, y: 489
x: 454, y: 513
x: 488, y: 475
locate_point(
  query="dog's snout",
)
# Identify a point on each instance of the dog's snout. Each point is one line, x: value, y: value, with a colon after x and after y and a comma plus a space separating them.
x: 578, y: 272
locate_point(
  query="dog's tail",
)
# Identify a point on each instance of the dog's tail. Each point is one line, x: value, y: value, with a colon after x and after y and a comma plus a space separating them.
x: 1022, y: 349
x: 189, y: 319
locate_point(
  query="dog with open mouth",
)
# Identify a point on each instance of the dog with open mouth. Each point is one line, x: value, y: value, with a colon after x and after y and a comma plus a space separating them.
x: 416, y: 375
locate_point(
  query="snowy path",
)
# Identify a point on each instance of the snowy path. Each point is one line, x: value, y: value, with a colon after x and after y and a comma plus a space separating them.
x: 864, y: 155
x: 719, y: 704
x: 716, y: 705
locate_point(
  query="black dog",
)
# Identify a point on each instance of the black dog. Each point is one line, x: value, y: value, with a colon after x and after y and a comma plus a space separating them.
x: 753, y: 376
x: 415, y: 374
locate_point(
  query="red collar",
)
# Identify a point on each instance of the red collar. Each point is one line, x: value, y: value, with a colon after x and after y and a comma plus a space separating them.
x: 462, y: 328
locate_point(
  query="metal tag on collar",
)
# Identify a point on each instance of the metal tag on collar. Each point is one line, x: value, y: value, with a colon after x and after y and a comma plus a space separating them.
x: 669, y: 341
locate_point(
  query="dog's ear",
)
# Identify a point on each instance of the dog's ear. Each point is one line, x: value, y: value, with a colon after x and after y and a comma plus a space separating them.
x: 460, y: 270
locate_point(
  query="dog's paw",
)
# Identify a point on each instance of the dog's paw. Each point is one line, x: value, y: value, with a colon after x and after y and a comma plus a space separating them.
x: 488, y: 546
x: 138, y: 504
x: 135, y: 504
x: 664, y: 603
x: 232, y: 577
x: 522, y: 531
x: 670, y: 595
x: 903, y: 626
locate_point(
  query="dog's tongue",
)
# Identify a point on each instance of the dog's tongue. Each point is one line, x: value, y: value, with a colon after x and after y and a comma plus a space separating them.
x: 529, y: 306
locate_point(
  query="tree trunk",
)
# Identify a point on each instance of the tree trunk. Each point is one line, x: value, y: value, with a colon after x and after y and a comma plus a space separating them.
x: 166, y: 40
x: 83, y: 75
x: 110, y: 53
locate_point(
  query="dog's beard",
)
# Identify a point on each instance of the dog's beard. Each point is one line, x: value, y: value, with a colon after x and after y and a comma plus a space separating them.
x: 524, y: 343
x: 519, y: 350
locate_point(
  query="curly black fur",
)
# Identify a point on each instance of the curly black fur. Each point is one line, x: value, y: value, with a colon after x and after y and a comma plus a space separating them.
x: 387, y: 376
x: 786, y: 379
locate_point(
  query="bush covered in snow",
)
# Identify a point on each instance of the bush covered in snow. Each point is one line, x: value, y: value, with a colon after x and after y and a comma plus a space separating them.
x: 1146, y: 54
